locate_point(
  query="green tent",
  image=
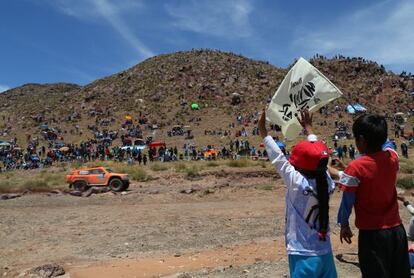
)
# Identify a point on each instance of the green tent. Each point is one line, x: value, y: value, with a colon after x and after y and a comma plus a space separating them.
x: 195, y: 106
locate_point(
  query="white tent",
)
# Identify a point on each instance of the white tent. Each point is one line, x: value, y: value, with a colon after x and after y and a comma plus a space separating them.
x: 355, y: 108
x: 4, y: 144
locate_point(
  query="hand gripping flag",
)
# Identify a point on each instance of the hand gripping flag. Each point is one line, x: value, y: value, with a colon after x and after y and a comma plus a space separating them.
x: 304, y: 87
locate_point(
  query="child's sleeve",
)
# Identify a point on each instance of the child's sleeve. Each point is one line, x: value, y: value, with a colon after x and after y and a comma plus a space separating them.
x: 348, y: 179
x: 348, y: 183
x: 388, y: 146
x: 345, y: 209
x: 278, y: 159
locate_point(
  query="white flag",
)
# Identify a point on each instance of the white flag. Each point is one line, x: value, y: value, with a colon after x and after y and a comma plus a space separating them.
x: 303, y: 87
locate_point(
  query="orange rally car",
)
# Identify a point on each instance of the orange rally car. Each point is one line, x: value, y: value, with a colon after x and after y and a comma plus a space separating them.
x: 82, y: 179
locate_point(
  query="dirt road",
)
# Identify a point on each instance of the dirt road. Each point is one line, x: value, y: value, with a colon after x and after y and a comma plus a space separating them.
x: 230, y: 231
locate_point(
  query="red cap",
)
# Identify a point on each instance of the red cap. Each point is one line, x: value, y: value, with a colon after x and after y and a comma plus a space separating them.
x: 306, y: 155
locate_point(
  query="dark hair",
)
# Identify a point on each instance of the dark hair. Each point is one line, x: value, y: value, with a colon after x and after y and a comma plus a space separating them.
x: 373, y: 128
x: 322, y: 195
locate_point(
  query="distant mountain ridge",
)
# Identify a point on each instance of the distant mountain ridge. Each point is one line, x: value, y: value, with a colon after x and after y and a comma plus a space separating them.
x: 164, y: 86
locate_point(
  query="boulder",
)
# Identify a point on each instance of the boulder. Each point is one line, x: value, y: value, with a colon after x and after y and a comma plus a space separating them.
x: 10, y: 196
x: 48, y: 270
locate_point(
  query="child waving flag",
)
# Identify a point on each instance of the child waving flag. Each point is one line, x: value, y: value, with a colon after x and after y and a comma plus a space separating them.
x: 307, y: 201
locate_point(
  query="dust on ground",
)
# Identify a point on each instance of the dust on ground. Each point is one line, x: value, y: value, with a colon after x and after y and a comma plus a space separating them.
x: 230, y: 225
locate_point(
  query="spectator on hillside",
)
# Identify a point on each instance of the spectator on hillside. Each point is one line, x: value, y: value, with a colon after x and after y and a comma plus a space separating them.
x: 351, y: 152
x: 397, y: 131
x: 404, y: 149
x: 345, y: 149
x: 394, y: 145
x: 340, y: 152
x: 139, y: 158
x: 335, y: 140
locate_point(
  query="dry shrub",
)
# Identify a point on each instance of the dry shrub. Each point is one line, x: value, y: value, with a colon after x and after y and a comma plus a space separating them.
x: 193, y: 172
x: 36, y: 185
x: 406, y: 166
x: 6, y: 186
x: 180, y: 167
x: 239, y: 163
x: 265, y: 187
x: 158, y: 166
x: 212, y: 164
x: 139, y: 174
x: 406, y: 182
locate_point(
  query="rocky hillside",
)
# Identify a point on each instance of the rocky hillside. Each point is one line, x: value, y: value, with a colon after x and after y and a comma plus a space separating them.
x: 34, y: 101
x: 367, y: 82
x: 162, y: 89
x: 164, y: 86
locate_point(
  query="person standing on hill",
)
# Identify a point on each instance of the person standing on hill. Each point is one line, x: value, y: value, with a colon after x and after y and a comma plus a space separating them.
x: 351, y: 152
x: 309, y: 187
x: 139, y: 158
x: 340, y: 152
x: 345, y: 150
x: 404, y: 149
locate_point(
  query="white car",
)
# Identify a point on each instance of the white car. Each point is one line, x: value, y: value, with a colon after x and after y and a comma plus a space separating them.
x: 139, y: 145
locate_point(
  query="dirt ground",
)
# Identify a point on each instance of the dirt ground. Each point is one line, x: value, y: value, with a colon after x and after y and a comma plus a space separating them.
x: 230, y: 224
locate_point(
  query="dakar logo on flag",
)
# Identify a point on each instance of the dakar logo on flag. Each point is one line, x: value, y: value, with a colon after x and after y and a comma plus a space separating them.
x: 300, y: 100
x: 304, y: 87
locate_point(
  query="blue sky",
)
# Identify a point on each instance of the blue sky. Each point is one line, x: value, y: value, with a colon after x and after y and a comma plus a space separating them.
x: 45, y: 41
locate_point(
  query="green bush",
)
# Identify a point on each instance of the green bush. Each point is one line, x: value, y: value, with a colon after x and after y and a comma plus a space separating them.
x: 158, y: 166
x: 135, y: 172
x: 43, y: 172
x: 77, y: 164
x: 5, y: 186
x: 37, y: 185
x: 93, y: 164
x: 265, y: 187
x: 262, y: 164
x: 180, y: 167
x: 121, y: 168
x: 406, y: 182
x: 139, y: 174
x: 54, y: 179
x: 406, y: 166
x: 9, y: 175
x: 239, y: 163
x: 212, y: 164
x: 193, y: 172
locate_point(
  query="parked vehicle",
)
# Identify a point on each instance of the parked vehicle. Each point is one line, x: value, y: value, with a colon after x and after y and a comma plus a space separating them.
x: 139, y: 145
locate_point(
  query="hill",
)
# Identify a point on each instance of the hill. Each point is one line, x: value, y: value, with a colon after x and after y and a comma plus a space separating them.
x: 161, y: 89
x: 33, y: 101
x: 367, y: 82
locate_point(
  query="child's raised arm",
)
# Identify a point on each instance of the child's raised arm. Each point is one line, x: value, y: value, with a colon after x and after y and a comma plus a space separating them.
x: 306, y: 121
x: 262, y: 124
x: 276, y: 156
